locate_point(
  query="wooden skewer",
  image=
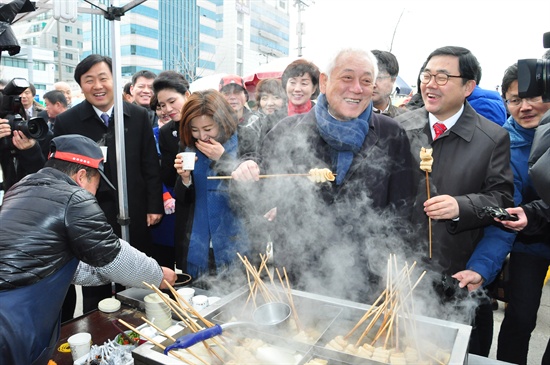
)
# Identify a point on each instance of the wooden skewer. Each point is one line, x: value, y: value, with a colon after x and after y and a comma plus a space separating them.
x: 367, y: 314
x: 393, y: 300
x: 194, y: 326
x: 268, y: 296
x: 172, y: 339
x: 176, y: 308
x: 426, y: 165
x: 429, y: 218
x: 378, y: 312
x: 290, y: 299
x: 261, y: 176
x: 161, y: 346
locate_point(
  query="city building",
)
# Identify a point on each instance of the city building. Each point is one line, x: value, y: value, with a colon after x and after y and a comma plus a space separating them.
x: 36, y: 65
x: 195, y: 37
x: 50, y: 50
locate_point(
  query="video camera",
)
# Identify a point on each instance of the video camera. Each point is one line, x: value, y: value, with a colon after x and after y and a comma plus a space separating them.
x: 10, y: 107
x: 534, y: 75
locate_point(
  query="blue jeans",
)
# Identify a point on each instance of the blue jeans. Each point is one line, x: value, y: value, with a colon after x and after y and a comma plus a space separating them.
x: 527, y: 273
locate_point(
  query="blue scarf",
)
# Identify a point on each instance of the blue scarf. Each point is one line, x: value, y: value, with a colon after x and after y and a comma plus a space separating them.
x: 519, y: 136
x: 214, y: 220
x: 344, y: 137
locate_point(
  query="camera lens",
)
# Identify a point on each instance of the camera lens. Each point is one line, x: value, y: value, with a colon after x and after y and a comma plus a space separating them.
x: 37, y: 128
x: 534, y: 78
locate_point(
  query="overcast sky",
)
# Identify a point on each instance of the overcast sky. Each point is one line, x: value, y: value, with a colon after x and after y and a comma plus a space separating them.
x: 497, y: 32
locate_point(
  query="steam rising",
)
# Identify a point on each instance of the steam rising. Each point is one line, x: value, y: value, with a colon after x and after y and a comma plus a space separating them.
x: 336, y: 240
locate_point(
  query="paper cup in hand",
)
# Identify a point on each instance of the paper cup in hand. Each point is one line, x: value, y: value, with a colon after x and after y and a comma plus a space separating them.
x: 104, y: 151
x: 188, y: 160
x: 80, y: 344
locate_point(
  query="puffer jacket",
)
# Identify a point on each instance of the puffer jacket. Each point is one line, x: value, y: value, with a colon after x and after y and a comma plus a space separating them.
x: 61, y: 221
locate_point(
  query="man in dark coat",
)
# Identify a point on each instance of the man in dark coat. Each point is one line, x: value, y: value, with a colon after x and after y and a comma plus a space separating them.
x: 93, y: 118
x: 470, y: 170
x: 331, y: 236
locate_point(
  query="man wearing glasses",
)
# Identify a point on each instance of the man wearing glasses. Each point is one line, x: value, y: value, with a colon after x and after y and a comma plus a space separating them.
x: 471, y: 170
x: 388, y: 68
x: 530, y: 256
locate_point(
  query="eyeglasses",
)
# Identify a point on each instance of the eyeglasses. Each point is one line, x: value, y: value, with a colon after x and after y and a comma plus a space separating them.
x: 519, y: 101
x: 440, y: 78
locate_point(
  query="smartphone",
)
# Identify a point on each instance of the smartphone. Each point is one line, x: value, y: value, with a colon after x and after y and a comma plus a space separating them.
x: 499, y: 213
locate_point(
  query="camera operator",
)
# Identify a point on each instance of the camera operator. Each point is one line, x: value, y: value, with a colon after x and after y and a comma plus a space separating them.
x: 19, y: 155
x: 530, y: 258
x: 20, y: 152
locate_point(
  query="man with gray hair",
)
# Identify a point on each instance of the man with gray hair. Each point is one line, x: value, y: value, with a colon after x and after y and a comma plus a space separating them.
x: 66, y: 90
x: 370, y: 157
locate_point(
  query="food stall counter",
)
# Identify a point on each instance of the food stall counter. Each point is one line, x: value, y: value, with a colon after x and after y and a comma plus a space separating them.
x: 98, y: 324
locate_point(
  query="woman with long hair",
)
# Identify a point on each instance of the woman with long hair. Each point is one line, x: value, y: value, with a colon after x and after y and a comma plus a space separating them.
x: 213, y: 233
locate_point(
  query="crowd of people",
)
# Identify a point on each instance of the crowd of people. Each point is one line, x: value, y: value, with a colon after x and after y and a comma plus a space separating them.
x: 62, y: 191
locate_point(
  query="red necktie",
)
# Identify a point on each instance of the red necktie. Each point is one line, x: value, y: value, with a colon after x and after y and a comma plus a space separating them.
x: 439, y: 129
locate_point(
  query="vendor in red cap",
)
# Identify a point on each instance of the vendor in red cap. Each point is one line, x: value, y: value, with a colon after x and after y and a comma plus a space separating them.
x: 232, y: 88
x: 54, y: 233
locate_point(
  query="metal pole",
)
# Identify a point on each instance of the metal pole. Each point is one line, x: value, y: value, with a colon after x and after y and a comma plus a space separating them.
x: 299, y: 27
x: 59, y: 64
x: 123, y: 218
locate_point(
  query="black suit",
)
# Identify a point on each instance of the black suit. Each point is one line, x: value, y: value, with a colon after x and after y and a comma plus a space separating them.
x: 144, y: 187
x: 169, y: 148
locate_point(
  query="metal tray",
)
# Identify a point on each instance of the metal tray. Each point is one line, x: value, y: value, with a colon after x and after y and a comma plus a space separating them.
x: 329, y: 317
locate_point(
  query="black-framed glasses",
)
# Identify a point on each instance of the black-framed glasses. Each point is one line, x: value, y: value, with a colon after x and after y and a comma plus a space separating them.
x: 440, y: 78
x: 518, y: 101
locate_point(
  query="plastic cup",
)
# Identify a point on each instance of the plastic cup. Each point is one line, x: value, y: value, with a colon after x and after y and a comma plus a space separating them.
x: 186, y: 293
x: 188, y: 160
x: 80, y: 344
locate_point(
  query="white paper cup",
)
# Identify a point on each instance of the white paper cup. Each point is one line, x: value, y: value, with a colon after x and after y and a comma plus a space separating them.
x: 200, y: 302
x: 80, y: 344
x: 188, y: 159
x: 157, y: 311
x: 104, y: 151
x: 186, y: 293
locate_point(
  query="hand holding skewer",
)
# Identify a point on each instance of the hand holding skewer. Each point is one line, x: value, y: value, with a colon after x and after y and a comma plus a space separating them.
x: 249, y: 171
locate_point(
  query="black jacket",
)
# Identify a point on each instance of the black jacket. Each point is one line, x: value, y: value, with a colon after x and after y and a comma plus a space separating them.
x: 323, y: 230
x: 61, y: 221
x: 144, y: 187
x: 16, y: 164
x: 169, y: 148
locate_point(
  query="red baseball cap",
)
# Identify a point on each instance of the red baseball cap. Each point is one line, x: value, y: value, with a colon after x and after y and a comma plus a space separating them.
x: 232, y: 80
